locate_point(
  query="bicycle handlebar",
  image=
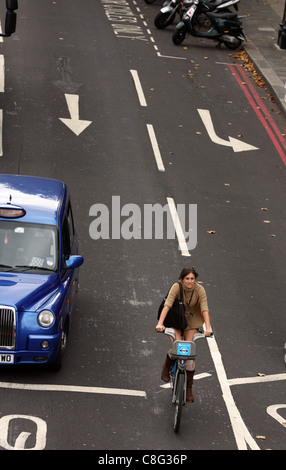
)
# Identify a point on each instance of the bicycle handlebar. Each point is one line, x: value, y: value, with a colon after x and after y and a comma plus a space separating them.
x: 171, y: 332
x: 201, y: 335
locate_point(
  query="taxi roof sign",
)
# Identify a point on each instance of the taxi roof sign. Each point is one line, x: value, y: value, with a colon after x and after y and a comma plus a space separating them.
x: 9, y: 211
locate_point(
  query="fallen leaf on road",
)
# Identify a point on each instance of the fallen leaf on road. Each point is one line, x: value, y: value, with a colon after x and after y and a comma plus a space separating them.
x: 249, y: 67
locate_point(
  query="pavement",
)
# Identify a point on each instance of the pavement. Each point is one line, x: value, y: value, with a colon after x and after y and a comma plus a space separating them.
x: 261, y: 29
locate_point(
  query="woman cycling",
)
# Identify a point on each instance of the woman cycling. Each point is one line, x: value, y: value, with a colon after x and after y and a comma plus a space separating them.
x: 196, y: 312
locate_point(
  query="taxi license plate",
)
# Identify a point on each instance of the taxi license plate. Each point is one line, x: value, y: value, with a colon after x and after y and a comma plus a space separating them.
x: 6, y: 359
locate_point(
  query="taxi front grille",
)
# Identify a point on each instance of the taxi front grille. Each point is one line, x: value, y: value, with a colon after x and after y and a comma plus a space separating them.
x: 7, y: 327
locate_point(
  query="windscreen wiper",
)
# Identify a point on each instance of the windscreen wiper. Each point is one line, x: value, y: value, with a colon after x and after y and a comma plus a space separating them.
x: 5, y: 266
x: 27, y: 267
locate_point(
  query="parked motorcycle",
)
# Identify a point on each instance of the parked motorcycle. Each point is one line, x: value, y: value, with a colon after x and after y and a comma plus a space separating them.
x: 170, y: 8
x: 220, y: 25
x: 167, y: 14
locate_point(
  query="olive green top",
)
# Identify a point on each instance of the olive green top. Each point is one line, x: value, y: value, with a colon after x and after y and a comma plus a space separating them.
x: 195, y: 300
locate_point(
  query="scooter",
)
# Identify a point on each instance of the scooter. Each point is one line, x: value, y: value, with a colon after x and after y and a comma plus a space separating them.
x: 167, y: 13
x: 222, y: 25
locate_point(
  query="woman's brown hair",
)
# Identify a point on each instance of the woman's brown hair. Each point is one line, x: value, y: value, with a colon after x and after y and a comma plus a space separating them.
x: 186, y: 271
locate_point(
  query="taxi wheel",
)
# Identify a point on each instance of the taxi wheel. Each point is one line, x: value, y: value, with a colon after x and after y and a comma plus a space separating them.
x: 57, y: 364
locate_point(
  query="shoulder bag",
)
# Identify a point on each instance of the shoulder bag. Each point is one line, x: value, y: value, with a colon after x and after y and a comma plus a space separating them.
x: 176, y: 315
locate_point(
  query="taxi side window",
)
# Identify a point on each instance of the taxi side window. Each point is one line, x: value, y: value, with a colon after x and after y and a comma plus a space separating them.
x: 67, y: 234
x: 65, y: 240
x: 70, y: 224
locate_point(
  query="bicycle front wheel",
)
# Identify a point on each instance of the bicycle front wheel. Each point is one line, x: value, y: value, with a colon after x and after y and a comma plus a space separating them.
x: 179, y: 401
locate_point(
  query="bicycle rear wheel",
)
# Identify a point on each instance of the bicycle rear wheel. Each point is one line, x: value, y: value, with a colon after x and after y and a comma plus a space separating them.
x: 179, y: 401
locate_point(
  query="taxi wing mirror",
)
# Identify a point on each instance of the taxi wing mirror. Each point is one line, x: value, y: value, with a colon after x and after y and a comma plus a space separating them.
x: 74, y: 261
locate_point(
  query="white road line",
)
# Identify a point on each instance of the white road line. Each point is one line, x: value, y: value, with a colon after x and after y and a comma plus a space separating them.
x: 178, y: 227
x: 202, y: 376
x: 155, y: 147
x: 253, y: 380
x: 170, y: 56
x: 196, y: 377
x: 138, y: 87
x: 2, y: 74
x: 241, y: 433
x: 73, y: 388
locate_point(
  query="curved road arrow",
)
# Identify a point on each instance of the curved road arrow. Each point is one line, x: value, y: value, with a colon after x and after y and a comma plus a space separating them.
x: 272, y: 411
x: 237, y: 145
x: 75, y: 124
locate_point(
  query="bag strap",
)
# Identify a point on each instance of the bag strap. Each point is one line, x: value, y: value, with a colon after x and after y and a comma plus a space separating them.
x: 181, y: 291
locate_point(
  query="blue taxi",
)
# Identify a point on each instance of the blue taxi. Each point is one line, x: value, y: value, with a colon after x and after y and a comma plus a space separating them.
x: 39, y: 269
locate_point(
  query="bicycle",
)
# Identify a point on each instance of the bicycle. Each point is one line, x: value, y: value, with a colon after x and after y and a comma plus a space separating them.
x: 181, y: 352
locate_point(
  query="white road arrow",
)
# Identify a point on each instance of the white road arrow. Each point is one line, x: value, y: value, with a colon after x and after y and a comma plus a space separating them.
x: 75, y: 124
x: 237, y: 145
x: 272, y: 411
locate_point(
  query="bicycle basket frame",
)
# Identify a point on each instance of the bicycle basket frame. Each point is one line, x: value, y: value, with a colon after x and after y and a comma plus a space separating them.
x: 183, y: 350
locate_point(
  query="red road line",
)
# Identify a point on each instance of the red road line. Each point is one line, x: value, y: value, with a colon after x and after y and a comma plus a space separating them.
x: 252, y: 97
x: 263, y: 107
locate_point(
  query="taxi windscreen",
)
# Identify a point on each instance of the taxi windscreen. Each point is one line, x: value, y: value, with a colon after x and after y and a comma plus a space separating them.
x: 28, y: 247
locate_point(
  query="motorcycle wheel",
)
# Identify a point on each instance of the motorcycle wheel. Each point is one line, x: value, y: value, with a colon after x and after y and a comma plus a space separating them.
x: 162, y: 20
x: 233, y: 46
x: 179, y: 36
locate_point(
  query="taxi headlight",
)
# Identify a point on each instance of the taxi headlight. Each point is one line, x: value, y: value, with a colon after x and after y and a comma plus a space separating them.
x: 46, y: 318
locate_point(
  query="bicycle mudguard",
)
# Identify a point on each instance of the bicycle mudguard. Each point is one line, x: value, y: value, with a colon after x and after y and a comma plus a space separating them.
x: 183, y: 350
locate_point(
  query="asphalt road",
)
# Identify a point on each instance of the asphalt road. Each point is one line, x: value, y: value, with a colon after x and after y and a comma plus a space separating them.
x: 66, y: 61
